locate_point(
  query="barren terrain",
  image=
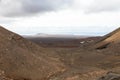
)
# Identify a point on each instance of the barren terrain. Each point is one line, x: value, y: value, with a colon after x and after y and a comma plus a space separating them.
x: 91, y: 58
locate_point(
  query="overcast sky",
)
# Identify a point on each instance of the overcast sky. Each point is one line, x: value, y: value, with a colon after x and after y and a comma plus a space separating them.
x: 83, y: 17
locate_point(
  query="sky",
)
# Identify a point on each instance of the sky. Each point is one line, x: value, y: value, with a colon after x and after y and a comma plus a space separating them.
x: 79, y: 17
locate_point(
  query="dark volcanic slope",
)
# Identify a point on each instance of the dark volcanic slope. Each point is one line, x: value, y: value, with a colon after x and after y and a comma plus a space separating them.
x: 22, y: 59
x: 61, y: 42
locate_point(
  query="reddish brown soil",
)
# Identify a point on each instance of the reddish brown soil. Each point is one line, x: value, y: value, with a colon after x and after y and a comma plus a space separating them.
x: 22, y: 59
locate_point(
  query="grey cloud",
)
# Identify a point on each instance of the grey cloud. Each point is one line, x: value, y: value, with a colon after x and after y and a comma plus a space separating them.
x: 11, y: 8
x: 103, y: 6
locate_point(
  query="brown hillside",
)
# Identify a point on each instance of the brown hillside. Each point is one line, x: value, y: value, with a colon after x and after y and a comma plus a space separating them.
x: 24, y: 60
x: 109, y: 39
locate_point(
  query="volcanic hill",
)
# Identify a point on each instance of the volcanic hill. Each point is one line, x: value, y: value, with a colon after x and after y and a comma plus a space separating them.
x: 112, y: 38
x: 22, y: 59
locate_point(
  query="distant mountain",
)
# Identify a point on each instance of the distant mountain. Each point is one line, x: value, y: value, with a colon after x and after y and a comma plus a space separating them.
x: 56, y: 35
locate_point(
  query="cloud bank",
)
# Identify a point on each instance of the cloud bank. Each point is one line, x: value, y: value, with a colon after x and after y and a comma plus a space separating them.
x: 11, y: 8
x: 103, y: 6
x: 16, y: 8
